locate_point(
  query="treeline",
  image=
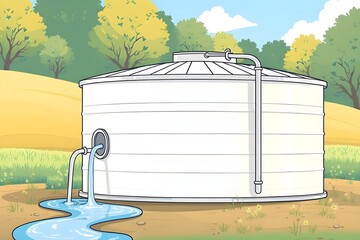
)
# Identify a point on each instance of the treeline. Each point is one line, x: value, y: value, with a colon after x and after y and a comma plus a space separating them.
x: 75, y: 39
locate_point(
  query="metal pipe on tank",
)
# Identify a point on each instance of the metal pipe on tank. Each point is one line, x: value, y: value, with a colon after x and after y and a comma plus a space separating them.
x: 258, y: 112
x: 73, y: 157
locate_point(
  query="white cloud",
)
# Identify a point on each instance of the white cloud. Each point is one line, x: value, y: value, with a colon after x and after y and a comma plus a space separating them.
x: 217, y: 20
x: 327, y: 16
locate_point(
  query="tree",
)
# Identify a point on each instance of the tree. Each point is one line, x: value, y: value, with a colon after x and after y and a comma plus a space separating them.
x: 224, y: 40
x: 21, y: 29
x: 273, y: 53
x: 249, y: 47
x: 73, y: 20
x: 56, y: 54
x: 297, y: 59
x: 193, y: 36
x: 129, y: 32
x: 173, y: 42
x: 337, y: 58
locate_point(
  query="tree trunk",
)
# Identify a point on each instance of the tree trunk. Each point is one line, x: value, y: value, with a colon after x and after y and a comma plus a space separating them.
x: 6, y: 65
x: 127, y: 61
x: 7, y: 61
x: 308, y: 70
x: 355, y: 98
x: 56, y: 74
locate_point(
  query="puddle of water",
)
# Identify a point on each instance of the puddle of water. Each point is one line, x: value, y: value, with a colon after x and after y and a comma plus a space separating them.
x: 77, y: 226
x: 83, y: 214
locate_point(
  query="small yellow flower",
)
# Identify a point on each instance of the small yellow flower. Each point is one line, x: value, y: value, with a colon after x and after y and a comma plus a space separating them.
x: 248, y: 210
x: 334, y: 207
x: 292, y: 206
x: 24, y: 192
x: 258, y: 207
x: 330, y: 200
x: 306, y: 222
x: 239, y: 221
x: 346, y: 194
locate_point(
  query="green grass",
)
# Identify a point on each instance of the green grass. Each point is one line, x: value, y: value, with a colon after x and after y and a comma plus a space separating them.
x: 50, y: 167
x: 37, y: 166
x: 342, y: 162
x: 268, y: 236
x: 224, y: 227
x: 15, y: 207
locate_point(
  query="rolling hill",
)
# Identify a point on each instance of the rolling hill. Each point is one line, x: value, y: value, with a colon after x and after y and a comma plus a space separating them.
x: 45, y: 113
x: 39, y: 112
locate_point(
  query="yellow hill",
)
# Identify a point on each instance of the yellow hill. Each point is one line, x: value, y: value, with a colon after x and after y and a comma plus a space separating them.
x: 45, y: 113
x: 39, y: 112
x: 342, y: 124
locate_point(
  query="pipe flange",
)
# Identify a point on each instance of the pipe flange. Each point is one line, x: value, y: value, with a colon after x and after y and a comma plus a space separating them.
x: 100, y: 136
x: 227, y: 52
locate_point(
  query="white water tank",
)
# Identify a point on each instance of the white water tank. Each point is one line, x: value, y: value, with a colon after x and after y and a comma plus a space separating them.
x: 184, y: 132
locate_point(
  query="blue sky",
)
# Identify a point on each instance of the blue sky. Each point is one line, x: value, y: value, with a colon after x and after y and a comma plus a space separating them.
x: 260, y: 20
x: 273, y: 18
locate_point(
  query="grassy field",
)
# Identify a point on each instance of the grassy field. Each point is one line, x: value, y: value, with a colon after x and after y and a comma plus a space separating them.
x: 342, y: 162
x: 37, y: 166
x: 51, y: 167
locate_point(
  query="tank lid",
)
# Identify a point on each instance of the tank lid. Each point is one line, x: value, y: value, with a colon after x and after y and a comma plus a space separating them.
x: 198, y: 57
x: 195, y: 66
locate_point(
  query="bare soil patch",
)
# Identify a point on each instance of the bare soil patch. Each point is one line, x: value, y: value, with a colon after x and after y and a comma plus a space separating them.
x: 339, y: 212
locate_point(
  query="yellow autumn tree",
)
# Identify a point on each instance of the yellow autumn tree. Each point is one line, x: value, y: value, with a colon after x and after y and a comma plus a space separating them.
x: 20, y: 30
x: 297, y: 59
x: 129, y: 32
x: 224, y: 40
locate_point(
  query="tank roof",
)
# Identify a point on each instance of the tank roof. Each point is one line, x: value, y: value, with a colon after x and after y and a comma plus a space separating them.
x: 194, y: 66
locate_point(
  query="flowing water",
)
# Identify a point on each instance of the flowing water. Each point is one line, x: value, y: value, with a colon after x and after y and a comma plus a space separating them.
x: 83, y: 214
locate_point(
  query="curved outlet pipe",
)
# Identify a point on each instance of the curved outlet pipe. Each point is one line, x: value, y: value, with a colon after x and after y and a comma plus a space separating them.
x: 258, y: 112
x: 99, y: 138
x: 73, y: 157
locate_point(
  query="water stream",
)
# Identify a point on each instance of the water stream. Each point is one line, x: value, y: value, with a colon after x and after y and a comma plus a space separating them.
x: 83, y: 214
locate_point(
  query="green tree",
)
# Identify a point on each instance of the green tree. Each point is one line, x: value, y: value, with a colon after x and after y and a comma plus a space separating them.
x: 193, y: 36
x: 129, y: 32
x: 249, y: 47
x: 337, y: 59
x: 73, y: 20
x: 297, y: 59
x: 224, y: 40
x: 273, y: 53
x: 173, y: 42
x: 56, y: 54
x: 21, y: 29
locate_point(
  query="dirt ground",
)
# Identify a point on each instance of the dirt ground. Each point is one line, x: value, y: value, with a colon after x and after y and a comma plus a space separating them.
x: 339, y: 212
